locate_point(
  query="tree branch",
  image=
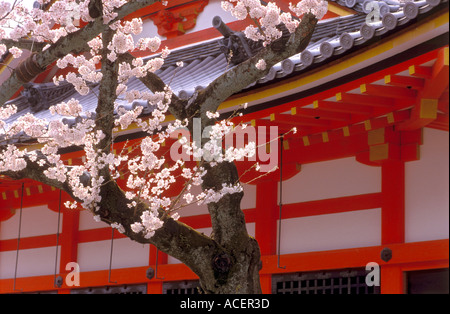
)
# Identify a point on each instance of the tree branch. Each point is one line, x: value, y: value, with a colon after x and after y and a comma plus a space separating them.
x: 24, y: 44
x: 242, y: 75
x: 35, y: 172
x: 154, y: 83
x: 107, y: 95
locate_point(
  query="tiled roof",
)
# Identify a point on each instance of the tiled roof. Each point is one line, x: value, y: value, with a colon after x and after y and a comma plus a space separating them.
x: 205, y: 62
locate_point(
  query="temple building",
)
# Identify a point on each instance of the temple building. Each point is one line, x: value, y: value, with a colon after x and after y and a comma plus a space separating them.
x: 362, y: 187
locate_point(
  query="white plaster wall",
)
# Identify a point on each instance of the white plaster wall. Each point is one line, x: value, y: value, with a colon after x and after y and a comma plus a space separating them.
x: 126, y: 253
x: 87, y: 221
x: 331, y: 179
x: 36, y: 221
x: 30, y: 262
x: 149, y: 29
x: 427, y: 190
x: 331, y: 232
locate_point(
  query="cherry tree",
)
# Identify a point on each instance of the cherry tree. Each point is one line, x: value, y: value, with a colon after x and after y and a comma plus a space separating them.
x: 228, y: 261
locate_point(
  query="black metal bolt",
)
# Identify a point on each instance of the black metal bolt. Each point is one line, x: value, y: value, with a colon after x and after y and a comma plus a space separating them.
x: 386, y: 254
x: 150, y: 273
x: 58, y: 281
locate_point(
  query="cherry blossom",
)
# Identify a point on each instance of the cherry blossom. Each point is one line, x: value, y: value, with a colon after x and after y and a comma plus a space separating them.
x: 261, y: 64
x: 148, y: 175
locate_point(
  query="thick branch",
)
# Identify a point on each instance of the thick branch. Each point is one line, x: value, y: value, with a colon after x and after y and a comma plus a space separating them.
x: 24, y: 44
x: 154, y: 83
x: 35, y: 172
x: 107, y: 95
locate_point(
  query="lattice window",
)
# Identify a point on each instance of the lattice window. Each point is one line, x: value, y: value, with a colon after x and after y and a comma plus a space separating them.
x: 125, y: 289
x: 330, y: 282
x: 181, y: 287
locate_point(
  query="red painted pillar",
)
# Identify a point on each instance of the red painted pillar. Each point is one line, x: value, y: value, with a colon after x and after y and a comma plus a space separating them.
x: 155, y: 286
x: 393, y: 210
x: 392, y: 280
x: 69, y: 238
x: 266, y: 224
x: 392, y: 222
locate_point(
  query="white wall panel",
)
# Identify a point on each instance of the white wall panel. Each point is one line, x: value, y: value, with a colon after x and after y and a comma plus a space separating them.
x: 427, y: 190
x: 331, y: 179
x: 126, y: 253
x: 31, y: 262
x: 36, y: 221
x: 87, y: 221
x: 331, y: 232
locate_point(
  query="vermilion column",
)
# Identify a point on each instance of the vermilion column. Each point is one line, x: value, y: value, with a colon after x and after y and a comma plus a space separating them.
x: 68, y: 240
x: 155, y: 286
x: 392, y: 222
x: 392, y: 279
x: 266, y: 224
x: 393, y: 210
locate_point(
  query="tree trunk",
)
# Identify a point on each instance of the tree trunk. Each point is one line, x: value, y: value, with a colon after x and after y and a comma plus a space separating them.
x: 236, y: 271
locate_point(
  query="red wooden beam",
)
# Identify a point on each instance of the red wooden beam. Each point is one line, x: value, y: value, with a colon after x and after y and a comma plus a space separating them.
x: 323, y: 114
x: 403, y: 254
x: 405, y: 81
x: 389, y: 91
x: 423, y: 113
x: 365, y: 100
x: 441, y: 122
x: 343, y: 107
x: 443, y: 102
x: 421, y: 71
x: 332, y: 205
x: 296, y: 120
x: 438, y: 83
x: 282, y: 127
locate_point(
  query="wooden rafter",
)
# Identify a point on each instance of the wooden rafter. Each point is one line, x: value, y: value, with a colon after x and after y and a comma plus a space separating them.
x: 296, y: 120
x: 343, y: 107
x: 420, y: 71
x: 405, y: 81
x: 429, y: 100
x: 438, y: 83
x: 322, y: 114
x: 388, y: 91
x: 365, y: 100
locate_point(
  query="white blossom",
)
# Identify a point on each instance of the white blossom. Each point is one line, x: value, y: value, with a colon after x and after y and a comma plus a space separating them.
x: 261, y: 64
